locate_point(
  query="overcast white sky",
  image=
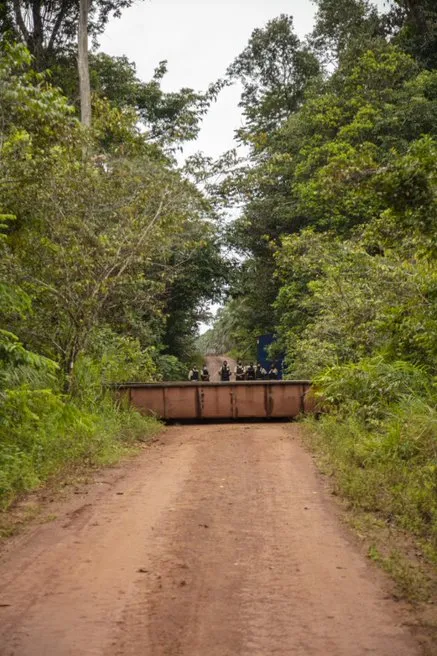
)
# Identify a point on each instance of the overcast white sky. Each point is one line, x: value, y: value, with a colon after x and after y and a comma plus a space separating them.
x: 199, y: 38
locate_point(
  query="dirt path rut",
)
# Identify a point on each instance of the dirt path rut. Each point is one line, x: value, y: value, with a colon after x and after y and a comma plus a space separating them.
x: 219, y: 541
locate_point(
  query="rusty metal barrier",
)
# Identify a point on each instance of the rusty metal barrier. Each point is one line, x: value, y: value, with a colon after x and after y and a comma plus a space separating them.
x: 230, y: 400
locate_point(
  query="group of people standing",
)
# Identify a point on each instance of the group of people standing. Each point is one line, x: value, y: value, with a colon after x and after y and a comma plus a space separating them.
x: 241, y: 372
x: 194, y: 374
x: 255, y: 372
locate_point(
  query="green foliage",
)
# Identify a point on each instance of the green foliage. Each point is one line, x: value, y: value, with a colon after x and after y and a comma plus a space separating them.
x: 133, y: 248
x: 414, y: 24
x: 369, y: 388
x: 390, y: 468
x: 338, y: 304
x: 41, y: 434
x: 168, y: 117
x: 104, y: 247
x: 336, y: 229
x: 275, y: 69
x: 111, y: 358
x: 357, y: 164
x: 49, y: 29
x: 200, y: 273
x: 343, y: 27
x: 229, y: 334
x: 170, y: 368
x: 13, y: 356
x: 17, y: 363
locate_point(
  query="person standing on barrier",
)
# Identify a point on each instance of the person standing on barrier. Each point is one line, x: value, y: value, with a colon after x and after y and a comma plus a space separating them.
x: 260, y: 372
x: 273, y: 373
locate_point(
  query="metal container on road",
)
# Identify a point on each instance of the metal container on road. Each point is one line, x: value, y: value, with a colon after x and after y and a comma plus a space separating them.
x: 261, y: 399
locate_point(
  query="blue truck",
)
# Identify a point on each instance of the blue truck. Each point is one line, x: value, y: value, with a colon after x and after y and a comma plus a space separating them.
x: 262, y: 344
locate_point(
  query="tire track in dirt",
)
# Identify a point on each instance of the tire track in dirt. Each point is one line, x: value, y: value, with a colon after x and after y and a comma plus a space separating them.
x: 220, y: 541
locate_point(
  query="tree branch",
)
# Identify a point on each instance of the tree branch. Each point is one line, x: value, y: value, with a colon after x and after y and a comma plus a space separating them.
x: 20, y: 21
x: 57, y: 26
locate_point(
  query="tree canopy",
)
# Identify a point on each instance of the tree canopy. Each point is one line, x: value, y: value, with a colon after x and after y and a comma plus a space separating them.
x: 336, y: 205
x: 48, y: 28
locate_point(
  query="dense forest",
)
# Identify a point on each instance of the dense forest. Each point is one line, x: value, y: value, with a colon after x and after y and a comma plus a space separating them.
x: 336, y: 237
x: 112, y: 251
x: 109, y: 254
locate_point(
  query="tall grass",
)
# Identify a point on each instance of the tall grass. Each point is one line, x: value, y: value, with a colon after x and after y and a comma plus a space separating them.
x: 380, y: 438
x: 41, y: 434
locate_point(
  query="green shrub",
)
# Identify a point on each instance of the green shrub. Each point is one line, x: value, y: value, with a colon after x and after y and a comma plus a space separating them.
x: 41, y: 433
x: 171, y: 368
x: 370, y: 387
x: 383, y: 452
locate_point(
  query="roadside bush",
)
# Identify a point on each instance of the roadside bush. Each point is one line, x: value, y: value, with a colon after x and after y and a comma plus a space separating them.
x: 170, y: 368
x: 380, y: 439
x: 370, y: 387
x: 111, y: 358
x: 41, y: 434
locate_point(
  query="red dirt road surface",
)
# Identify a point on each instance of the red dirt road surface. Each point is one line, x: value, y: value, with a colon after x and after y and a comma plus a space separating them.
x: 218, y: 540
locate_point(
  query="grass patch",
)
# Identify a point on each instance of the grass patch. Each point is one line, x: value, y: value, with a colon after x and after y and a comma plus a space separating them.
x: 411, y: 580
x: 388, y: 477
x: 43, y: 436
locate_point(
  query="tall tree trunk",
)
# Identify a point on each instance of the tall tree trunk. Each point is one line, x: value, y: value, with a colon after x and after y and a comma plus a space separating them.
x: 38, y: 34
x: 82, y: 60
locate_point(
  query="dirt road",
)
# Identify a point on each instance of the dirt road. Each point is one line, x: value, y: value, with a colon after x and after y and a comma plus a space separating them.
x: 219, y: 540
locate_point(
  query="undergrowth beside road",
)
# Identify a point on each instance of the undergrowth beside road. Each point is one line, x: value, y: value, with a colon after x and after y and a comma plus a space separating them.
x: 42, y: 434
x: 378, y: 442
x: 389, y: 498
x: 388, y: 477
x: 386, y: 471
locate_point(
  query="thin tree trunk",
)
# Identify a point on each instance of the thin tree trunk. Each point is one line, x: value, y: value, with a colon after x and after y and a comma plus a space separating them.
x: 38, y: 34
x: 84, y: 74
